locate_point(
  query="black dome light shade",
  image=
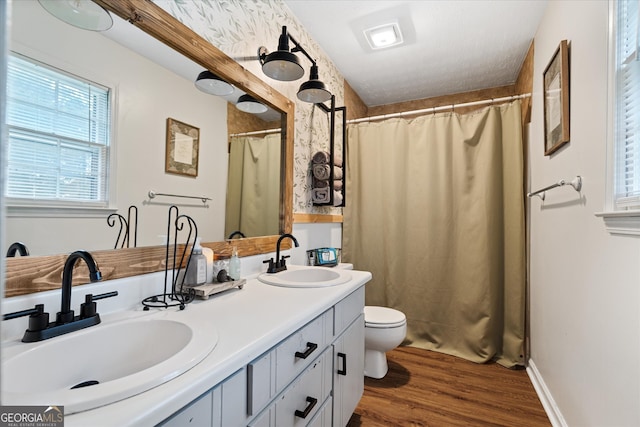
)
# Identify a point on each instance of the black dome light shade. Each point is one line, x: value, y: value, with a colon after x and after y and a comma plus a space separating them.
x: 210, y: 83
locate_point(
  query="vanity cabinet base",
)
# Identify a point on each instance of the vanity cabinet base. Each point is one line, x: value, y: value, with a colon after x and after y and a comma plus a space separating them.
x: 314, y: 377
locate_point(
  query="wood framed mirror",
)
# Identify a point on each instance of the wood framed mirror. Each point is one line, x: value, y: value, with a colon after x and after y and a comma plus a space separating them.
x: 39, y: 273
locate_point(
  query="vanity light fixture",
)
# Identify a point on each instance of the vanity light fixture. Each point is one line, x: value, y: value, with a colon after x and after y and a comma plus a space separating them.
x: 313, y: 90
x: 249, y: 104
x: 209, y: 83
x: 383, y: 36
x: 83, y: 14
x: 283, y: 65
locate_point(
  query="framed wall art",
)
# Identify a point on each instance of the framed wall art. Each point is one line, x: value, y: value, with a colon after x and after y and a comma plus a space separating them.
x: 182, y: 148
x: 556, y: 100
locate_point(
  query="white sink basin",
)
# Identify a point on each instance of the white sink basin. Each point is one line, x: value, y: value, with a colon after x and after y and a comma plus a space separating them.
x: 124, y: 358
x: 306, y: 277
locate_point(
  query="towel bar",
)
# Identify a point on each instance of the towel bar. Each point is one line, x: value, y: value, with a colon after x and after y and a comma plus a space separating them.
x: 153, y: 194
x: 576, y: 183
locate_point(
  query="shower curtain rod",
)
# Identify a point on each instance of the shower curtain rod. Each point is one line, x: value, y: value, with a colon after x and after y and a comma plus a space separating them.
x: 440, y: 108
x: 257, y: 132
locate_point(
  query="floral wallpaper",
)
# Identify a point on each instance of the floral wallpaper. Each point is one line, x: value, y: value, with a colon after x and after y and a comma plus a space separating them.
x: 239, y: 28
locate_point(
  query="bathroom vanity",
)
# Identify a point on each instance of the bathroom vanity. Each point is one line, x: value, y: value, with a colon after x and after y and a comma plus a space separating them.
x: 284, y: 357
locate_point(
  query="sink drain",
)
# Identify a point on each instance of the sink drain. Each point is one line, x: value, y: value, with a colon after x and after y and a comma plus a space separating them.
x: 85, y: 384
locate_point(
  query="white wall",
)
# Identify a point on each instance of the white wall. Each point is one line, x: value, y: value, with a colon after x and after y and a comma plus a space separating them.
x: 584, y: 282
x: 146, y: 96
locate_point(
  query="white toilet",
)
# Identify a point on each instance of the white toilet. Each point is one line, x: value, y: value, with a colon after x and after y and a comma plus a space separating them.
x: 384, y: 330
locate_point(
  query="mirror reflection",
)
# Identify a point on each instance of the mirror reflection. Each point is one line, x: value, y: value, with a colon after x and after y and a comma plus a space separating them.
x: 235, y: 150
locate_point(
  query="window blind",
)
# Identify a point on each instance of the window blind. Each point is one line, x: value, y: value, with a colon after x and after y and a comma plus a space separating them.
x: 58, y: 135
x: 627, y: 175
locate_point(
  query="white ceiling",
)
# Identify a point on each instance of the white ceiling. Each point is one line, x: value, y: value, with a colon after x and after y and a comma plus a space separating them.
x: 453, y: 46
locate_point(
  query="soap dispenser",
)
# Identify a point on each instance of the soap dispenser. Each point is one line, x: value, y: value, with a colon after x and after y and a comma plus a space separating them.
x: 234, y: 265
x: 196, y: 273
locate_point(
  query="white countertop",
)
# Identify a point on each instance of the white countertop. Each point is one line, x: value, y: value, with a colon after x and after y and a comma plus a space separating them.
x: 249, y: 321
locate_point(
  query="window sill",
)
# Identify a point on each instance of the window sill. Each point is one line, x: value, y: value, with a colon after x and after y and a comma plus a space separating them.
x: 621, y: 222
x: 18, y: 211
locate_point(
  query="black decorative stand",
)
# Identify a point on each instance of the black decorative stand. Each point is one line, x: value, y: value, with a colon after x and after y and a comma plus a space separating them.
x: 125, y: 227
x: 178, y: 295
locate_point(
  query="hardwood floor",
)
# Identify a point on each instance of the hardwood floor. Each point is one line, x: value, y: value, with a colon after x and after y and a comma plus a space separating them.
x: 426, y: 388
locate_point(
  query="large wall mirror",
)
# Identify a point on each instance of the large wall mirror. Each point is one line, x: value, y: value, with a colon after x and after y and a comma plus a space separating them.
x: 164, y: 89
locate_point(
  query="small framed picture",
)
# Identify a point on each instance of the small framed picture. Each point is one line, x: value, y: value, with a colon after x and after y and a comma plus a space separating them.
x: 182, y: 148
x: 556, y: 100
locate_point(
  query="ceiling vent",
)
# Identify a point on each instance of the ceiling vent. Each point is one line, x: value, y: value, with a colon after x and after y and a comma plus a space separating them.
x: 384, y: 36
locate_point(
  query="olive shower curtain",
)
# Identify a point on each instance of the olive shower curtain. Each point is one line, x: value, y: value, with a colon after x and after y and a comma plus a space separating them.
x: 253, y: 196
x: 436, y: 212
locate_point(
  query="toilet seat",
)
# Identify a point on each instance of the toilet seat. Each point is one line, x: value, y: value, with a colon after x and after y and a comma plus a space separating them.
x: 383, y: 317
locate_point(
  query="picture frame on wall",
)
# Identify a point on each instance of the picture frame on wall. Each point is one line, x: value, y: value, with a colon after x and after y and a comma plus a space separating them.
x: 556, y: 100
x: 182, y: 148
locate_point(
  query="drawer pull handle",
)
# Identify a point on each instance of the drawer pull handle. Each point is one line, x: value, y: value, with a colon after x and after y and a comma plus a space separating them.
x: 343, y: 371
x: 310, y: 349
x: 312, y: 403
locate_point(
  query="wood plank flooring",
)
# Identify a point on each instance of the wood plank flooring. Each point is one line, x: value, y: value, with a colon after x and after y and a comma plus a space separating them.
x: 430, y: 389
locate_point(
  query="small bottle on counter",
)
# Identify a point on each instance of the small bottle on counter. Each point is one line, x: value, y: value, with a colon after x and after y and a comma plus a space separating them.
x: 234, y: 265
x: 208, y: 254
x: 196, y: 273
x: 220, y: 262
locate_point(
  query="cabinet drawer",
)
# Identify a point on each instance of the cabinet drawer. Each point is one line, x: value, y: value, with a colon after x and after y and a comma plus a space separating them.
x: 295, y: 353
x: 347, y: 310
x: 305, y: 397
x: 323, y: 417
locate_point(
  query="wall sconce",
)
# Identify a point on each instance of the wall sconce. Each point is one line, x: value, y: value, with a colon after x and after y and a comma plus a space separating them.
x: 285, y: 66
x: 313, y: 90
x: 212, y: 84
x: 83, y: 14
x: 249, y: 104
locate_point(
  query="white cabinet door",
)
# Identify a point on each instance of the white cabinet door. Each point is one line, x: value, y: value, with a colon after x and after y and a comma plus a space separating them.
x: 266, y: 419
x: 348, y: 372
x: 197, y: 414
x: 234, y: 399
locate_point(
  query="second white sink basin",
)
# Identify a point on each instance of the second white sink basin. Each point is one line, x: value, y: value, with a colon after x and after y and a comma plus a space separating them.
x: 306, y: 277
x: 104, y: 363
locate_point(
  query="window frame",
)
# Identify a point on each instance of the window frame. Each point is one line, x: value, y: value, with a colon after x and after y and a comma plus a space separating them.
x: 26, y: 208
x: 618, y: 220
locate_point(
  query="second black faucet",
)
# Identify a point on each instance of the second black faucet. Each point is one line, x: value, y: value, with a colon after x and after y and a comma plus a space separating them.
x: 280, y: 263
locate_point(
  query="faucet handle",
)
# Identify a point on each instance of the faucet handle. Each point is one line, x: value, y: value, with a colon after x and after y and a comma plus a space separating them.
x: 38, y: 318
x: 272, y: 267
x: 283, y: 262
x: 88, y: 307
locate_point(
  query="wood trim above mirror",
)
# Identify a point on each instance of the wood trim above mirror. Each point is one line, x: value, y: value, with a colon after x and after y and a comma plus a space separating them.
x: 40, y: 273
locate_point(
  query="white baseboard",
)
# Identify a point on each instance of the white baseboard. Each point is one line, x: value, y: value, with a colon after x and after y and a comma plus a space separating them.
x: 549, y: 405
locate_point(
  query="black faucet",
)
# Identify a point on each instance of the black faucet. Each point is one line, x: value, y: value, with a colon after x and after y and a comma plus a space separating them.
x: 280, y: 263
x: 66, y: 314
x: 39, y: 327
x: 236, y: 233
x: 18, y: 247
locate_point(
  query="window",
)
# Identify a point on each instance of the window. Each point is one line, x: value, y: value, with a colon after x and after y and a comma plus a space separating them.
x: 627, y: 107
x: 58, y: 137
x: 622, y: 212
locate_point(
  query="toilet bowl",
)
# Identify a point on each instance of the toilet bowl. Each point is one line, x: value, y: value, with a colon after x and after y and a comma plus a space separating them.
x: 384, y: 330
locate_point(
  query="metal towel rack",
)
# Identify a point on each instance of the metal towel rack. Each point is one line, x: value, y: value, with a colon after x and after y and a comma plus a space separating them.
x: 576, y: 183
x: 153, y: 194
